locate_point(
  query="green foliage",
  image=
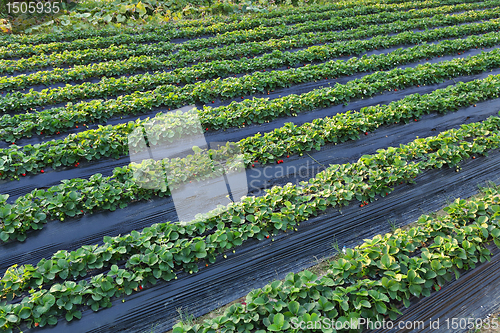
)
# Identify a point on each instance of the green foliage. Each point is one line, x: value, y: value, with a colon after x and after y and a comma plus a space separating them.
x: 43, y: 121
x: 372, y: 279
x: 110, y: 193
x: 368, y: 281
x: 159, y: 251
x: 112, y: 141
x: 111, y: 87
x: 22, y: 18
x: 264, y: 29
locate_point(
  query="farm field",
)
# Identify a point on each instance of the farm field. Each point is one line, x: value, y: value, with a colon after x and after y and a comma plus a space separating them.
x: 177, y: 170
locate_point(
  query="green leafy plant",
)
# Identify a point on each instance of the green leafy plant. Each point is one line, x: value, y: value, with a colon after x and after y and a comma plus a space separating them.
x: 112, y: 141
x: 160, y: 250
x: 272, y: 80
x: 86, y: 196
x: 371, y: 280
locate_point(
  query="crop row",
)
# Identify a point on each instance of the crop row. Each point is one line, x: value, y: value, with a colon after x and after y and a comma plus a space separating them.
x: 81, y: 196
x: 234, y: 87
x: 77, y: 197
x: 371, y: 280
x: 249, y: 49
x: 219, y: 24
x: 219, y: 53
x: 208, y: 42
x: 239, y: 114
x: 124, y: 40
x: 262, y: 34
x: 162, y: 253
x: 112, y: 141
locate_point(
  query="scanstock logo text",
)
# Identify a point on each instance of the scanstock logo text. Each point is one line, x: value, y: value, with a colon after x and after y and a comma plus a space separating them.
x: 170, y: 153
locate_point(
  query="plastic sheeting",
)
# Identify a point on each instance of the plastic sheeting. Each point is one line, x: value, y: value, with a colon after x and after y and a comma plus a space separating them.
x: 90, y: 228
x: 475, y: 295
x: 105, y: 166
x: 295, y: 89
x: 256, y: 263
x: 293, y: 170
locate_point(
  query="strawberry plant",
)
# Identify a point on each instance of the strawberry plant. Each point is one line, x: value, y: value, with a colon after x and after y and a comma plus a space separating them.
x: 18, y: 100
x: 112, y: 141
x: 23, y: 50
x: 182, y: 58
x: 394, y: 273
x: 371, y: 174
x: 456, y: 240
x: 215, y: 24
x: 230, y: 58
